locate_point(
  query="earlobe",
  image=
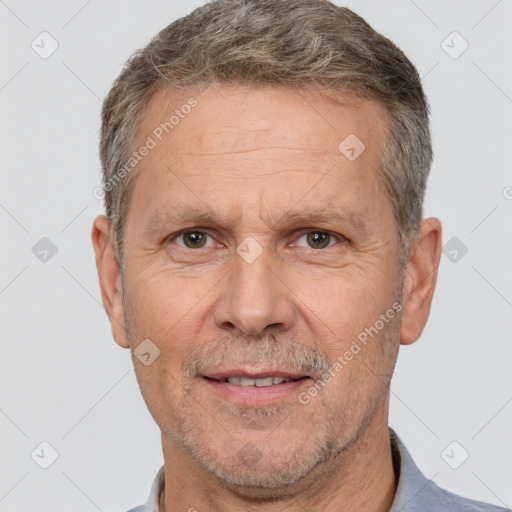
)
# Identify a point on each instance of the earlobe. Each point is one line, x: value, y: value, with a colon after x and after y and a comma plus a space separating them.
x: 420, y: 280
x: 110, y: 279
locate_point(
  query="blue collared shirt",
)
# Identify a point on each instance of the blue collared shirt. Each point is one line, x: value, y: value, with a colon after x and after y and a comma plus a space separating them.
x: 414, y: 493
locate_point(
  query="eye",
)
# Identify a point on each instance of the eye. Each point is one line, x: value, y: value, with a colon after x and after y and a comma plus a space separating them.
x: 318, y: 239
x: 193, y: 239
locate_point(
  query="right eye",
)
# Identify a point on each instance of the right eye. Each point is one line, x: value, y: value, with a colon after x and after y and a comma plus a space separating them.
x: 193, y: 239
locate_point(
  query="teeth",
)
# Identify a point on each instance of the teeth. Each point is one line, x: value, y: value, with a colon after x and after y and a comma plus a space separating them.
x: 263, y: 383
x: 259, y: 383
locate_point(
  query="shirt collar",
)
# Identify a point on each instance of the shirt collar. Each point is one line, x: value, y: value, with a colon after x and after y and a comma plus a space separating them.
x: 414, y: 492
x: 153, y: 503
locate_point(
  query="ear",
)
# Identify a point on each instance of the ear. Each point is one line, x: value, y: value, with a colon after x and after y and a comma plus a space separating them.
x: 110, y: 279
x: 420, y: 280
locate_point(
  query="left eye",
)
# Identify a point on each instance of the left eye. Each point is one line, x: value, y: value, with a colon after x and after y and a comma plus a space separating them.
x: 318, y: 239
x: 193, y: 239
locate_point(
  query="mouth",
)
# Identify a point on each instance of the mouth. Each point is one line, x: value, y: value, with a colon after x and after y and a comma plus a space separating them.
x: 249, y: 388
x: 259, y: 382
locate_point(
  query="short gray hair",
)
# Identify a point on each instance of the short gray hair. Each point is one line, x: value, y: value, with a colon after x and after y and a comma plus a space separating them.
x: 291, y: 43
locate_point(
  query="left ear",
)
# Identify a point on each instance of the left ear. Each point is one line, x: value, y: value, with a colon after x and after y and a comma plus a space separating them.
x: 420, y: 280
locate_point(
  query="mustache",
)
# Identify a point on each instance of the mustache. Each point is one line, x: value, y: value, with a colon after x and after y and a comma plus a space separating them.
x: 262, y: 351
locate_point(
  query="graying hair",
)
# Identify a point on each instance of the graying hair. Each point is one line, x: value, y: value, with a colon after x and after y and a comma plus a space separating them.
x: 291, y: 43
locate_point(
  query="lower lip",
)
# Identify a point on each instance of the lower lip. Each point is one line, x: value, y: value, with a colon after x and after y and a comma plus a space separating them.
x: 255, y: 396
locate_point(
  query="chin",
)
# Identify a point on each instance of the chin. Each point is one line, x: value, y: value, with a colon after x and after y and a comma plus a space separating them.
x: 255, y: 475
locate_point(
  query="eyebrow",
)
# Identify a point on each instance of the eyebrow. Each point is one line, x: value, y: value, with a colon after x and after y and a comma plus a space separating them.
x: 332, y: 215
x: 176, y: 216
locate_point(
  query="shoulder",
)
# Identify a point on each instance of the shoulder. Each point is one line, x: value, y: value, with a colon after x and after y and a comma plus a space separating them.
x: 415, y: 493
x: 432, y: 497
x: 456, y: 503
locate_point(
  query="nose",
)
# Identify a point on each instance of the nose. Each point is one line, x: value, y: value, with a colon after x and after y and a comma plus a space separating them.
x: 255, y: 299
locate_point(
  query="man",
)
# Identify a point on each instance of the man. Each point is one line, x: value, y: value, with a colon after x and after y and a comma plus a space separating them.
x: 264, y: 256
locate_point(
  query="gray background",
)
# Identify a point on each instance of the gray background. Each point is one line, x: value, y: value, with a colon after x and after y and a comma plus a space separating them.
x: 63, y: 380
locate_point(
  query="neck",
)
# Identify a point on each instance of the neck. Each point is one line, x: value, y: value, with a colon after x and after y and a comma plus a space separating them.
x: 360, y: 478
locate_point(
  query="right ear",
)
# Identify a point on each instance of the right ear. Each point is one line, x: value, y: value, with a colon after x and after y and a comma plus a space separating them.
x: 110, y: 279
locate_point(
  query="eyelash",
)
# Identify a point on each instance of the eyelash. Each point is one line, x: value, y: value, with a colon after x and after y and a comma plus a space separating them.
x: 337, y: 237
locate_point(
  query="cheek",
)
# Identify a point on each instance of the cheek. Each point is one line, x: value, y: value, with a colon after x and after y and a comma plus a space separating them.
x: 348, y: 305
x: 358, y: 330
x: 170, y: 320
x: 162, y: 305
x: 158, y: 315
x: 362, y: 372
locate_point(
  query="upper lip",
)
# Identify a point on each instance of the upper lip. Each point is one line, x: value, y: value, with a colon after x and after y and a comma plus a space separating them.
x: 252, y: 374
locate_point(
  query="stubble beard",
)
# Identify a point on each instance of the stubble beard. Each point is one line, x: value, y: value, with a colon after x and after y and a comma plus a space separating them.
x: 294, y: 470
x: 276, y: 475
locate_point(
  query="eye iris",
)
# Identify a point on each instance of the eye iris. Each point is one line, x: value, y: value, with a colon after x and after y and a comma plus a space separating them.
x: 318, y: 240
x: 194, y: 239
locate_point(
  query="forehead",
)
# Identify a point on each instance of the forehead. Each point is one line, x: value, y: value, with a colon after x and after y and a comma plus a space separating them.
x: 235, y: 114
x: 258, y: 144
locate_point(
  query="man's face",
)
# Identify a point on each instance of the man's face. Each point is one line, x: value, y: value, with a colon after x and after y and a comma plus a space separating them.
x: 256, y: 249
